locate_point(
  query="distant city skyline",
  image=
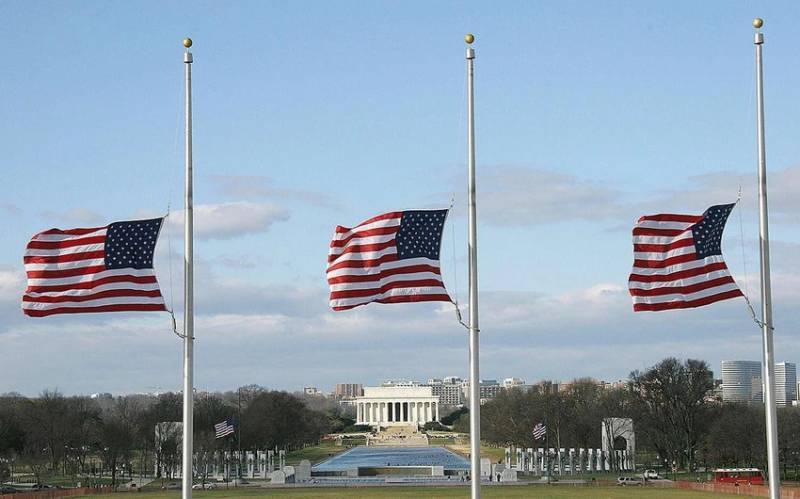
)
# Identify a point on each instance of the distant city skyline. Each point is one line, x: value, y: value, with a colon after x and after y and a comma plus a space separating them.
x: 742, y: 382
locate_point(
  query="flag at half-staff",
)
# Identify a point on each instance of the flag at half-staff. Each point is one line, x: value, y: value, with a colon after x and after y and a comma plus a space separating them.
x: 678, y: 261
x: 390, y: 258
x: 539, y: 431
x: 101, y: 269
x: 224, y: 429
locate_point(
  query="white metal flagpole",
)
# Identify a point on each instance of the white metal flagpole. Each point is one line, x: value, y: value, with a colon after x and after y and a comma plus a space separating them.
x: 188, y: 320
x: 474, y: 375
x: 768, y: 367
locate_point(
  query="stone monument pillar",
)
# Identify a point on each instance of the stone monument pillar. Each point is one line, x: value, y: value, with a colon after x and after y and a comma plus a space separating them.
x: 572, y: 461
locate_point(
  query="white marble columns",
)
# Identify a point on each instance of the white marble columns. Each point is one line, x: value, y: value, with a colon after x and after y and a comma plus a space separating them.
x: 390, y: 406
x: 396, y: 411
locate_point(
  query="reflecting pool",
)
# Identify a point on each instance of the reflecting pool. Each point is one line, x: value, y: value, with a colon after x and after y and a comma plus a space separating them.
x: 381, y: 456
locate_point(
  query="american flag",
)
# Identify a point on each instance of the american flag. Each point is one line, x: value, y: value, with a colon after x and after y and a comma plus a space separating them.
x: 678, y: 261
x: 391, y: 258
x: 223, y: 429
x: 539, y: 431
x: 102, y: 269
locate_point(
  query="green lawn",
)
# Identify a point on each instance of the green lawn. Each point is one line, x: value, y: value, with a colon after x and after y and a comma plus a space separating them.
x: 511, y: 492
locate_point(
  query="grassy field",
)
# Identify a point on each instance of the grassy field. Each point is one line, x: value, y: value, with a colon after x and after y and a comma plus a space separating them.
x: 511, y: 492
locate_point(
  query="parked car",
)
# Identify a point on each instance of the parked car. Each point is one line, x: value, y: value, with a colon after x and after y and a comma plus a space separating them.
x: 204, y: 486
x: 171, y: 486
x: 5, y: 489
x: 629, y: 480
x: 650, y: 475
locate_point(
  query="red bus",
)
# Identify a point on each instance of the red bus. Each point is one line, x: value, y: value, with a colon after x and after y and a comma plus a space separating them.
x: 749, y: 476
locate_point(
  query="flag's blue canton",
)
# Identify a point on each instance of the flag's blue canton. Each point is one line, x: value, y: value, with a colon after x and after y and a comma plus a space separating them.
x: 420, y: 234
x: 707, y: 233
x: 132, y: 244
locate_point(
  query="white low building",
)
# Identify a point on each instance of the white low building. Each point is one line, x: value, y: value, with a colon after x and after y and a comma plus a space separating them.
x: 397, y: 406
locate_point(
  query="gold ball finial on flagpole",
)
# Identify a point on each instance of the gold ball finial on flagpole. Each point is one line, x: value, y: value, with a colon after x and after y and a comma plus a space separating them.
x: 469, y: 38
x: 758, y: 23
x: 187, y: 42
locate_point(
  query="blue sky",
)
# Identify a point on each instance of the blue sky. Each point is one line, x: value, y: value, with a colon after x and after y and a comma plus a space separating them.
x: 312, y: 114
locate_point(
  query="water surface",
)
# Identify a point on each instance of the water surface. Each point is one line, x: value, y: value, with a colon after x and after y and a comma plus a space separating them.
x: 380, y: 456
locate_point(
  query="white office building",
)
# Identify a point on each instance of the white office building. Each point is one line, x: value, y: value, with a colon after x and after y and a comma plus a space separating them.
x: 741, y: 381
x: 510, y: 383
x: 448, y: 390
x: 785, y: 384
x: 489, y: 388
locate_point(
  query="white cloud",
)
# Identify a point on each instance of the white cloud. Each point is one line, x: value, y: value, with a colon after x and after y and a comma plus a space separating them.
x: 229, y: 220
x: 518, y: 196
x: 284, y: 336
x: 257, y: 186
x: 10, y: 209
x: 515, y: 196
x: 12, y: 283
x: 76, y: 217
x: 720, y: 187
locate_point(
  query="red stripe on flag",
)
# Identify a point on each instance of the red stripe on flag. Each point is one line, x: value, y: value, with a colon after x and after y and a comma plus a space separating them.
x: 361, y: 293
x: 111, y: 293
x: 363, y: 263
x: 362, y: 248
x: 69, y: 243
x: 660, y: 264
x: 648, y: 231
x: 672, y: 305
x: 669, y: 217
x: 380, y: 231
x: 58, y: 274
x: 401, y: 299
x: 70, y: 232
x: 126, y: 307
x: 68, y: 257
x: 681, y: 274
x: 662, y: 248
x: 93, y: 284
x: 411, y: 269
x: 385, y: 216
x: 684, y: 290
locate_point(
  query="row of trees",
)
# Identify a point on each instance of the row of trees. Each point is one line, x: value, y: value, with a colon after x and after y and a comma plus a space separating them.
x: 83, y: 436
x: 676, y: 418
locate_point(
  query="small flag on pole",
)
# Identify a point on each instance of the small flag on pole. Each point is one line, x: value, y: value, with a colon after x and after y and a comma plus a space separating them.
x: 223, y: 429
x: 102, y: 269
x: 539, y: 431
x: 678, y: 261
x: 390, y: 258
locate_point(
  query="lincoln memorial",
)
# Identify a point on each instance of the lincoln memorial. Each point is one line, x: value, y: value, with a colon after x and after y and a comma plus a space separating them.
x: 397, y: 406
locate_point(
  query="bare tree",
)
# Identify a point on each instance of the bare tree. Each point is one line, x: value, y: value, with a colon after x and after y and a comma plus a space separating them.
x: 674, y: 405
x: 117, y: 436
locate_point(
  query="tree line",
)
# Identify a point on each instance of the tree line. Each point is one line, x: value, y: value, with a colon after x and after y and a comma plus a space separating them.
x: 79, y: 436
x: 677, y: 419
